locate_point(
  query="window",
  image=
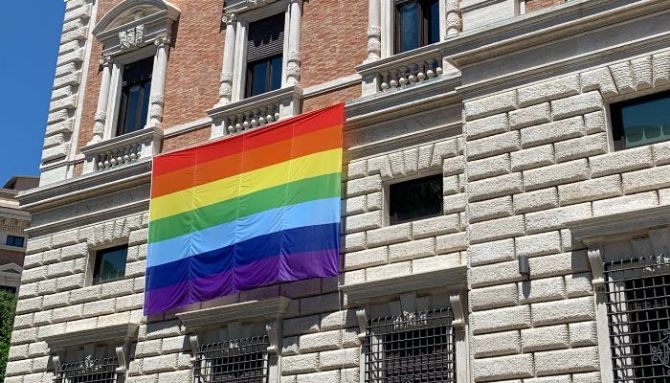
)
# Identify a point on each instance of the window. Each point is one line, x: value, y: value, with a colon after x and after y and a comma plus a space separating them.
x: 417, y: 23
x: 265, y: 55
x: 641, y: 121
x: 638, y: 312
x: 110, y: 264
x: 411, y: 348
x: 415, y: 199
x: 14, y: 240
x: 135, y: 90
x: 89, y: 370
x: 238, y: 361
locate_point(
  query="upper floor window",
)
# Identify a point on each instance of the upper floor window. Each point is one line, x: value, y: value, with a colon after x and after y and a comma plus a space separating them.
x: 110, y: 264
x: 416, y: 24
x: 135, y: 90
x: 265, y: 49
x: 638, y: 302
x: 641, y: 121
x: 15, y: 240
x: 411, y: 348
x: 415, y: 199
x: 242, y: 360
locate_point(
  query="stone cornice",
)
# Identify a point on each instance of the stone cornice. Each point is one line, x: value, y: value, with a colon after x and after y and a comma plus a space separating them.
x: 606, y: 228
x: 91, y: 185
x: 120, y: 333
x: 360, y: 293
x: 263, y: 309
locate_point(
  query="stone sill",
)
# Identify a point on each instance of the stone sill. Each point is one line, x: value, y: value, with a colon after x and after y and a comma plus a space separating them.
x: 251, y: 103
x: 266, y: 309
x: 360, y: 293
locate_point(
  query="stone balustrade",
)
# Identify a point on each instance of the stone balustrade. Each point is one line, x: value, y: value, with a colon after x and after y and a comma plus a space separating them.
x: 122, y: 150
x: 402, y: 70
x: 254, y: 112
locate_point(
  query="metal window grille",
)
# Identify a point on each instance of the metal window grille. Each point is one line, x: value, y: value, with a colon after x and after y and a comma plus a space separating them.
x: 89, y: 370
x: 411, y: 348
x: 235, y: 361
x: 638, y: 312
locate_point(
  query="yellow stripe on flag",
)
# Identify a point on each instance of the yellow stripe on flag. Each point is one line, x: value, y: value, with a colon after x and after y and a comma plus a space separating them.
x: 317, y: 164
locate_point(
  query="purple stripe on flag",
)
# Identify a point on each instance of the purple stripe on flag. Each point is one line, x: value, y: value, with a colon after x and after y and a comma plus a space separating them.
x: 264, y: 272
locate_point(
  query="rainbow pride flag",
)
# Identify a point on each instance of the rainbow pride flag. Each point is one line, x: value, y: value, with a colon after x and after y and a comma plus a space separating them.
x: 249, y: 211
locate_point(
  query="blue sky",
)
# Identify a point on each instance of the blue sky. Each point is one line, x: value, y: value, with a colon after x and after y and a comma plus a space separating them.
x: 28, y: 52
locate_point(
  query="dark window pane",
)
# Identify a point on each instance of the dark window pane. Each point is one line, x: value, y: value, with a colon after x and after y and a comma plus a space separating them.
x: 415, y: 199
x: 408, y: 26
x: 135, y: 91
x: 275, y: 78
x: 432, y: 19
x: 641, y: 121
x: 13, y: 240
x: 110, y: 264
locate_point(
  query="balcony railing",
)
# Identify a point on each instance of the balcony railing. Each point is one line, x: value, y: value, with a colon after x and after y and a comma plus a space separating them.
x: 402, y: 71
x: 255, y: 111
x: 122, y: 150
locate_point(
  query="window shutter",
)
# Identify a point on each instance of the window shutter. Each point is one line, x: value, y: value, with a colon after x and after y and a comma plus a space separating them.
x: 266, y: 38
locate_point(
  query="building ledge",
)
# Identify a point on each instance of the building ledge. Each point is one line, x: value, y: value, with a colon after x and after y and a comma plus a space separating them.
x: 267, y: 309
x: 360, y: 293
x: 120, y: 333
x: 619, y: 226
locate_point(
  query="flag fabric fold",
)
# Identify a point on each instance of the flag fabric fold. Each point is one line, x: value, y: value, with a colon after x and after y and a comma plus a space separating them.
x: 249, y: 211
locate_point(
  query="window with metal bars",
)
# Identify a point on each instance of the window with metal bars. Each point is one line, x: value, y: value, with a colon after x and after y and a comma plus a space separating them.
x: 411, y: 348
x: 89, y: 370
x: 236, y: 361
x: 638, y: 312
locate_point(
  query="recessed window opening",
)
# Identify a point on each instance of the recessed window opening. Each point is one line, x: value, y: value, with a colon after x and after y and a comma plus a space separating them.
x: 265, y: 55
x: 101, y: 370
x: 417, y: 23
x: 415, y: 199
x: 641, y: 121
x: 411, y: 348
x: 110, y: 264
x: 235, y: 361
x: 15, y: 241
x: 638, y: 313
x: 135, y: 92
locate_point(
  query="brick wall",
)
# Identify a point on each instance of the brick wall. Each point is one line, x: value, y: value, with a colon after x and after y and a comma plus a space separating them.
x: 536, y: 5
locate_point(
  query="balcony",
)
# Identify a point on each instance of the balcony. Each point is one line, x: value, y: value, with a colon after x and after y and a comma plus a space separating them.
x: 403, y: 70
x: 122, y: 150
x: 256, y: 111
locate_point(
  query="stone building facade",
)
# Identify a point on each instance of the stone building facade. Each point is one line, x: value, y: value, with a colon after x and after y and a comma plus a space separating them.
x: 547, y: 261
x: 13, y: 222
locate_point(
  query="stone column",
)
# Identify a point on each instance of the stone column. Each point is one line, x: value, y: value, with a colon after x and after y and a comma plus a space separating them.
x: 103, y: 98
x: 453, y: 17
x: 226, y: 86
x: 374, y: 30
x: 158, y: 82
x: 293, y: 62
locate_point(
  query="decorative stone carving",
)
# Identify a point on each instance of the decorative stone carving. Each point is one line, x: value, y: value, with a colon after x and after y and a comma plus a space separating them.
x: 457, y: 308
x: 453, y: 17
x: 273, y: 329
x: 131, y: 38
x: 596, y: 262
x: 362, y: 319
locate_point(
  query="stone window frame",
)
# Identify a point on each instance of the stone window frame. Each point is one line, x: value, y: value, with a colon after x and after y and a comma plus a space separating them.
x: 116, y: 337
x: 237, y: 16
x: 401, y: 303
x: 597, y: 233
x: 381, y: 25
x: 131, y: 31
x: 242, y: 318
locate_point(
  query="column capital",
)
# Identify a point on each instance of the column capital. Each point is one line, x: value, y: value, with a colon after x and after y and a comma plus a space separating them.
x: 229, y: 18
x: 162, y: 41
x: 106, y: 60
